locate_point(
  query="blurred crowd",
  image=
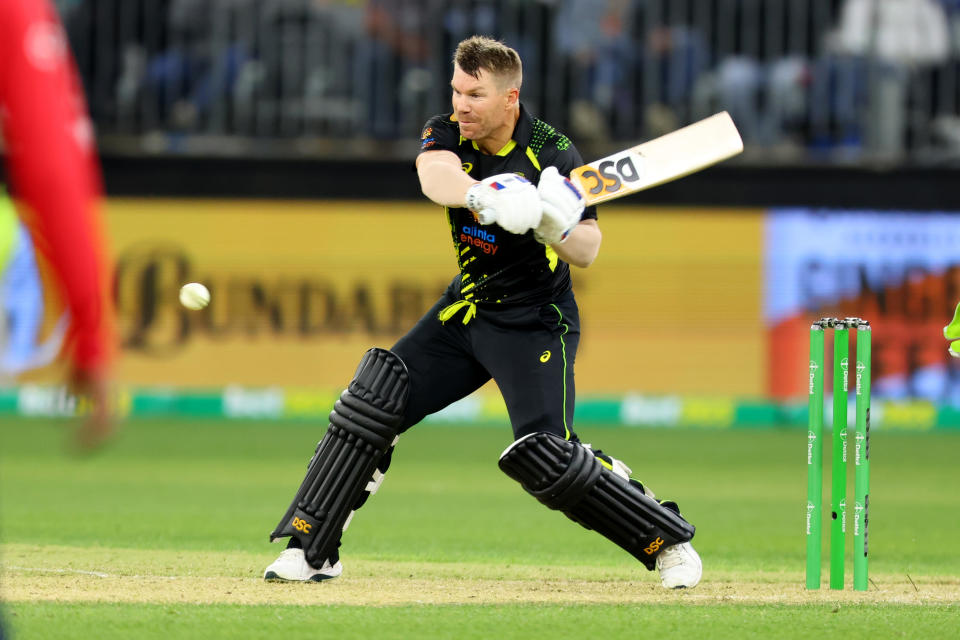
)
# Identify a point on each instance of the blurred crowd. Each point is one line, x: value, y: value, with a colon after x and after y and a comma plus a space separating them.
x: 822, y: 79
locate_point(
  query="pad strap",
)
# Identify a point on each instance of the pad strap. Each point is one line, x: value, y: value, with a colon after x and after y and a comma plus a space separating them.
x: 364, y: 425
x: 566, y: 476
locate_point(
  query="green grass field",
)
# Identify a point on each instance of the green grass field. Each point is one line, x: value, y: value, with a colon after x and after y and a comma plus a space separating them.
x: 164, y: 535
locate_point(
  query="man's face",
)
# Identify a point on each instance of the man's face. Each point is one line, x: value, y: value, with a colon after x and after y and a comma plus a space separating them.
x: 479, y: 104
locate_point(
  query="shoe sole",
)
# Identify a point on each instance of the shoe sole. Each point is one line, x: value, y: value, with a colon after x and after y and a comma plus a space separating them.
x: 681, y: 586
x: 270, y: 576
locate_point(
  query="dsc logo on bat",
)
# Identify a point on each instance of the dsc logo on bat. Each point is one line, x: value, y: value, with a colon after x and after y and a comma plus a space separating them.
x: 610, y: 175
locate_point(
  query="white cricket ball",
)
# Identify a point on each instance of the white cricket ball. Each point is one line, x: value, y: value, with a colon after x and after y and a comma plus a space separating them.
x: 194, y: 296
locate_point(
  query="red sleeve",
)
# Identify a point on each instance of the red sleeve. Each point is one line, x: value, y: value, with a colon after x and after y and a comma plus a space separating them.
x: 53, y: 168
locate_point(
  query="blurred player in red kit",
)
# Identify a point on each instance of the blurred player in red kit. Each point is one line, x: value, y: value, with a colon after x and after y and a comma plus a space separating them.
x: 52, y: 168
x: 54, y: 174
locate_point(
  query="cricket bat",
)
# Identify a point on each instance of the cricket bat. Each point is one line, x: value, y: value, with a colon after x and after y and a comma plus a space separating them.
x: 669, y: 157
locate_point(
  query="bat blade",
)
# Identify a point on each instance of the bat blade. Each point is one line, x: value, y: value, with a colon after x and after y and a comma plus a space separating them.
x: 669, y: 157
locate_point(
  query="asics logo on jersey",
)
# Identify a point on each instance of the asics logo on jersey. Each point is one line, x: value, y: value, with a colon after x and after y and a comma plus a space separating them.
x: 545, y: 356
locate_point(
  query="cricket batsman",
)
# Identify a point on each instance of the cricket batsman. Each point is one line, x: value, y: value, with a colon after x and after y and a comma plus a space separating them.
x: 516, y: 223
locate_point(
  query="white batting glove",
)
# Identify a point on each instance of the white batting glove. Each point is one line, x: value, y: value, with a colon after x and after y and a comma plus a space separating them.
x: 507, y: 199
x: 563, y: 204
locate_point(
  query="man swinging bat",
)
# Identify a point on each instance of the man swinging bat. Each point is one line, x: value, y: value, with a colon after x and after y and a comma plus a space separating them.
x: 517, y: 223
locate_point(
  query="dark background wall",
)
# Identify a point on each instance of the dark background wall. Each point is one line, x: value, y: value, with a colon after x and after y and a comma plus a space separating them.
x: 729, y: 185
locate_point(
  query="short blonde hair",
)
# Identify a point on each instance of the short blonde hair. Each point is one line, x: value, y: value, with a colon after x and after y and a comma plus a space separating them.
x: 479, y: 52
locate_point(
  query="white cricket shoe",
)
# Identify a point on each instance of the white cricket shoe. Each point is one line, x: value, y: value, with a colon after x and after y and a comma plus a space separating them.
x: 292, y: 566
x: 679, y: 566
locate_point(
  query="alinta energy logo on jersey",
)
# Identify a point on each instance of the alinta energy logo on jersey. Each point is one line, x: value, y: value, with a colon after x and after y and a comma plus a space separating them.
x: 479, y: 238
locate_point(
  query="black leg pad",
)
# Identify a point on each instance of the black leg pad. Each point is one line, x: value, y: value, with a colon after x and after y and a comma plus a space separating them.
x: 566, y: 476
x: 363, y: 425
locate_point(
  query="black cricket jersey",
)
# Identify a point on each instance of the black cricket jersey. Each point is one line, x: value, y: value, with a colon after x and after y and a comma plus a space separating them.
x: 496, y: 266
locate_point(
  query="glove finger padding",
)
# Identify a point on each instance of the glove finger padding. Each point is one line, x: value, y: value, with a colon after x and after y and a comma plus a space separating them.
x: 486, y: 216
x: 552, y: 227
x: 507, y: 199
x: 521, y: 211
x: 562, y: 204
